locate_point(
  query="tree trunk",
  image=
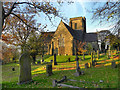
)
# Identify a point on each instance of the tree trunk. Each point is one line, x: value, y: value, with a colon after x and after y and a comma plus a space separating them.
x: 34, y: 59
x: 1, y: 20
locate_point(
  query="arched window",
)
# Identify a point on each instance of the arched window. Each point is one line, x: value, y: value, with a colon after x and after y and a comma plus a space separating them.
x: 75, y: 25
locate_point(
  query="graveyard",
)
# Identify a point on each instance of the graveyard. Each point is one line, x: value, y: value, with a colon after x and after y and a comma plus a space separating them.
x: 65, y: 72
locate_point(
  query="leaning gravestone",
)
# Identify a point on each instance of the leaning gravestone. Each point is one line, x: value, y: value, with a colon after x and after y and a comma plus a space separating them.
x: 55, y: 62
x: 25, y: 69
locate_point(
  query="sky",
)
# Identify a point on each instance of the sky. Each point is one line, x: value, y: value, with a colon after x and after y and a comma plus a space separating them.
x: 75, y: 9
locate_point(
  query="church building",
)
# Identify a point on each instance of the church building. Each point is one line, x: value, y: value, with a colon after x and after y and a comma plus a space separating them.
x: 64, y: 38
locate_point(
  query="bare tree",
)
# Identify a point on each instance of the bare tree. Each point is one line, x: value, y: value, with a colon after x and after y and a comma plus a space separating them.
x: 109, y: 13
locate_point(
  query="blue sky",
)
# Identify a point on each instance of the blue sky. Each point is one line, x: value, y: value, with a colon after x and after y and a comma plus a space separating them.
x: 76, y: 9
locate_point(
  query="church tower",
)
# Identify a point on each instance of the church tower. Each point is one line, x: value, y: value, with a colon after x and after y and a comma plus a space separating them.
x: 78, y: 23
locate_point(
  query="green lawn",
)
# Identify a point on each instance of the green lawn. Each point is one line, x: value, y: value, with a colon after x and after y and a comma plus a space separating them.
x: 107, y: 74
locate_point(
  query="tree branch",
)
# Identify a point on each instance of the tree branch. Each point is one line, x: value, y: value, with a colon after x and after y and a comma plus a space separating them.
x: 24, y: 21
x: 10, y: 11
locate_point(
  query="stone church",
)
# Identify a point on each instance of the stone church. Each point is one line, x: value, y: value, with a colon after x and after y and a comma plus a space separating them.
x: 62, y: 41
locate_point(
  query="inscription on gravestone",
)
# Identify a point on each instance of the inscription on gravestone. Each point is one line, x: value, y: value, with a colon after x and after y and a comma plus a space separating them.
x: 25, y: 69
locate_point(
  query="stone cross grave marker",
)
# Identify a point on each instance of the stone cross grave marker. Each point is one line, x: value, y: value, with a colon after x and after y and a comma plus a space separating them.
x: 25, y: 69
x: 55, y: 62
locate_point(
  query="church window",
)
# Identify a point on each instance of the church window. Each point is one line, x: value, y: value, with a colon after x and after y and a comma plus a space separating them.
x: 61, y: 41
x: 75, y: 25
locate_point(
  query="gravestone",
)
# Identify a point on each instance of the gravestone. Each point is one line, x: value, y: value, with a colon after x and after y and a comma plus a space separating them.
x: 114, y: 64
x: 13, y: 69
x: 68, y: 59
x: 51, y: 61
x: 55, y: 62
x: 54, y: 83
x: 49, y: 70
x: 38, y: 62
x: 86, y: 65
x: 78, y: 71
x: 97, y: 54
x: 94, y: 55
x: 94, y: 63
x: 25, y: 69
x: 42, y: 58
x: 91, y: 58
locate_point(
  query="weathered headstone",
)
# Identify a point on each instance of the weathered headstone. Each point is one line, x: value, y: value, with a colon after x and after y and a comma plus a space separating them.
x: 68, y: 59
x: 78, y: 71
x: 42, y: 60
x: 86, y: 65
x: 54, y: 83
x: 91, y: 58
x: 25, y: 69
x: 94, y: 63
x: 13, y: 69
x: 94, y: 55
x: 114, y: 64
x: 38, y: 62
x: 49, y: 70
x: 51, y: 61
x: 55, y: 62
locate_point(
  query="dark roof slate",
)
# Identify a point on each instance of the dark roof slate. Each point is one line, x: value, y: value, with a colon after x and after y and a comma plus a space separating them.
x: 91, y: 37
x: 78, y: 34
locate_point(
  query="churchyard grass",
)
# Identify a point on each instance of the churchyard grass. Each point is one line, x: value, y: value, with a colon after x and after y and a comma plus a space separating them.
x: 105, y: 73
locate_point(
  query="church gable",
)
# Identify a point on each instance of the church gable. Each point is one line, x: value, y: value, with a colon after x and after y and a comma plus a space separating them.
x: 62, y: 40
x: 62, y: 30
